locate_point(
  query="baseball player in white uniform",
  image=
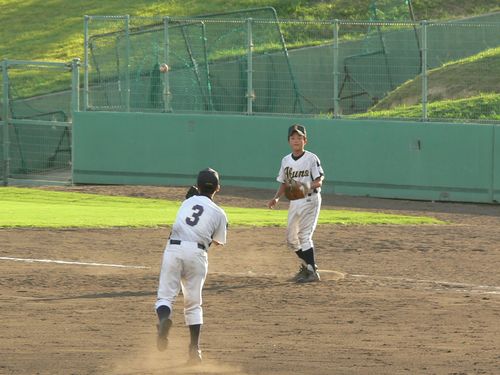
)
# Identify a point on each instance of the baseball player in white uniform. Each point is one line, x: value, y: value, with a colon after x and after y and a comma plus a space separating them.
x: 199, y: 223
x: 304, y: 167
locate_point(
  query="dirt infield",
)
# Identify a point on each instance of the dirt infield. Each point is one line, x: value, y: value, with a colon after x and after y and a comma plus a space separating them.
x: 393, y: 300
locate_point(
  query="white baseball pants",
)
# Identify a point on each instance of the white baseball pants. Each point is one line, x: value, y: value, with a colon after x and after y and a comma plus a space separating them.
x: 184, y: 266
x: 302, y: 220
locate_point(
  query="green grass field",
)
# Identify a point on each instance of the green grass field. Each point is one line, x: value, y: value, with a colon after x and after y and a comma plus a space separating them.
x: 25, y: 207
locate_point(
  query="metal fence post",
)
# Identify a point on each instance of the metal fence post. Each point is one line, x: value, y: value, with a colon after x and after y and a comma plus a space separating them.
x: 250, y: 95
x: 5, y: 118
x: 336, y: 103
x: 75, y: 104
x: 424, y: 71
x: 86, y: 64
x: 127, y: 64
x: 166, y: 60
x: 207, y: 68
x: 75, y: 85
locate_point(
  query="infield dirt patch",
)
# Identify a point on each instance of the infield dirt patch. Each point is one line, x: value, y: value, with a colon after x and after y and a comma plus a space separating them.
x: 393, y: 300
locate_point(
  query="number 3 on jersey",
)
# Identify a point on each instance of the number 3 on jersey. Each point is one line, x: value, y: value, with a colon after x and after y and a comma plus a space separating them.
x: 195, y: 217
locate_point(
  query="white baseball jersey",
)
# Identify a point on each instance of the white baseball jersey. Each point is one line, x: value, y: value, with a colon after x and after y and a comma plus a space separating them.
x: 302, y: 213
x: 199, y: 221
x: 304, y: 169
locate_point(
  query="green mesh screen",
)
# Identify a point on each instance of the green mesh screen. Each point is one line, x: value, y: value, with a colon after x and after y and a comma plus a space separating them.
x: 390, y: 50
x: 249, y: 62
x: 39, y: 116
x: 208, y: 59
x: 125, y: 71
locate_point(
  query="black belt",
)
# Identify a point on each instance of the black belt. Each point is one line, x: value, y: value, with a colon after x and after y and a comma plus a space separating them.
x: 312, y: 192
x: 178, y: 242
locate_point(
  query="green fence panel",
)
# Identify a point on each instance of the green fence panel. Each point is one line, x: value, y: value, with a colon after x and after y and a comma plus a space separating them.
x: 435, y: 161
x: 170, y: 148
x: 429, y: 161
x: 496, y: 164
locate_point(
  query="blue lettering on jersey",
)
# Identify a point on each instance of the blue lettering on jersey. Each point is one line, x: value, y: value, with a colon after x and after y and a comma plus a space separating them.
x: 195, y: 217
x: 290, y: 173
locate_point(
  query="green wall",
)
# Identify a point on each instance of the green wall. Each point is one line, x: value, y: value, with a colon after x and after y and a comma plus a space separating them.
x: 428, y: 161
x: 495, y: 171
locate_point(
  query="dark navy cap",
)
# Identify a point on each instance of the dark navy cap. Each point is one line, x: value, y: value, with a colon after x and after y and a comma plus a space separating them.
x: 208, y: 177
x: 296, y: 128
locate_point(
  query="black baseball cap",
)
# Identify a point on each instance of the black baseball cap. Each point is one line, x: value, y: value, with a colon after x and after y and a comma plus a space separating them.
x: 208, y: 178
x: 297, y: 128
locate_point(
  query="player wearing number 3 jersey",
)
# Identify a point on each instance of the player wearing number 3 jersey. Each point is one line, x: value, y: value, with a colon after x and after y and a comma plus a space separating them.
x: 199, y: 223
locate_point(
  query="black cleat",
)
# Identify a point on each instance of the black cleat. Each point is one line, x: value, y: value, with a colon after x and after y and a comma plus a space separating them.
x: 300, y: 274
x: 162, y: 339
x: 311, y: 275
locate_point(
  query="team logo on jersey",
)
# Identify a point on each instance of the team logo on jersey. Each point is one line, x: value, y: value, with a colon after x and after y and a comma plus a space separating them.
x: 290, y: 173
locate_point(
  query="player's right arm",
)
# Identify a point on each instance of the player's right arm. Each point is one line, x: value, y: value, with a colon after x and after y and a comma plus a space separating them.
x: 219, y: 236
x: 273, y: 202
x: 281, y: 190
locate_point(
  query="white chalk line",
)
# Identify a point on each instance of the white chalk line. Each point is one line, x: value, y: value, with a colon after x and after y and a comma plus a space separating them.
x: 459, y: 287
x: 487, y: 289
x: 28, y: 260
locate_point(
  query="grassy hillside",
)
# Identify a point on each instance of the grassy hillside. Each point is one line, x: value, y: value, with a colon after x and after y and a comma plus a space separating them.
x: 53, y: 30
x: 480, y: 107
x: 453, y: 81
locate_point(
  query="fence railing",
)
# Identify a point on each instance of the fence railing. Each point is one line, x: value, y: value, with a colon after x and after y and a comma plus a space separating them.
x: 37, y: 102
x: 253, y: 63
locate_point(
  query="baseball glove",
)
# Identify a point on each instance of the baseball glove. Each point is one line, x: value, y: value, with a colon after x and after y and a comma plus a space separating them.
x: 193, y: 190
x: 295, y: 190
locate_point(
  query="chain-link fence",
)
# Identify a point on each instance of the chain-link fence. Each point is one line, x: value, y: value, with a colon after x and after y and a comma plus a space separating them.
x: 250, y: 62
x: 36, y: 109
x: 213, y: 64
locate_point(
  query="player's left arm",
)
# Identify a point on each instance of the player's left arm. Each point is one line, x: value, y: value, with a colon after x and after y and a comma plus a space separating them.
x: 317, y: 170
x: 318, y: 182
